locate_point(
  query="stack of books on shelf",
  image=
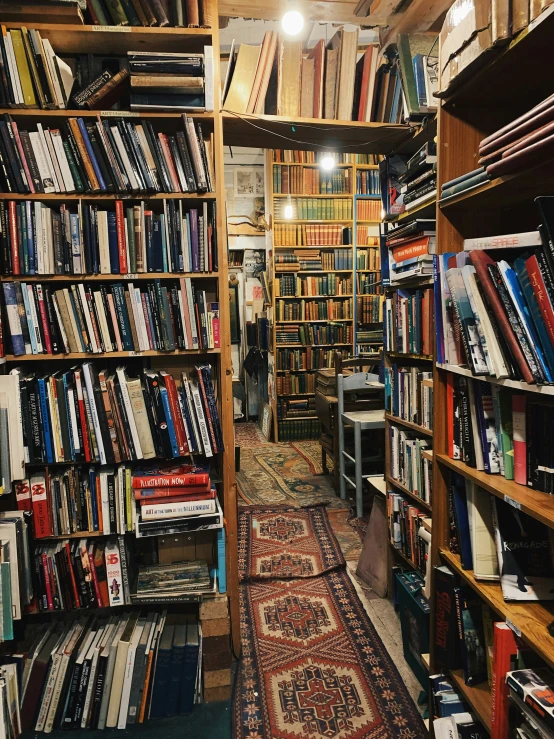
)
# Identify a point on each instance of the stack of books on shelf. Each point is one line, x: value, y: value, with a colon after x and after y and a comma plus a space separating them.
x: 104, y: 672
x: 171, y: 583
x: 408, y: 465
x: 104, y: 156
x: 367, y: 182
x: 298, y: 180
x: 314, y: 209
x: 409, y: 394
x: 327, y: 284
x: 413, y: 68
x: 409, y: 183
x: 312, y: 310
x: 171, y: 81
x: 370, y: 341
x: 451, y: 712
x: 302, y: 156
x: 296, y: 234
x: 95, y: 319
x: 410, y: 250
x: 300, y: 408
x: 463, y: 183
x: 295, y: 384
x: 307, y: 334
x: 497, y: 315
x: 180, y: 14
x: 369, y: 283
x: 405, y: 520
x: 306, y: 359
x: 313, y: 260
x: 409, y: 322
x: 40, y: 240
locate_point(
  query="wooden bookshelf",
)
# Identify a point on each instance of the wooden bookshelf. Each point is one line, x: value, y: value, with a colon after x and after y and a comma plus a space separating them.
x: 118, y: 278
x: 403, y: 489
x: 513, y: 384
x: 478, y: 696
x: 408, y: 424
x: 110, y: 197
x: 107, y: 355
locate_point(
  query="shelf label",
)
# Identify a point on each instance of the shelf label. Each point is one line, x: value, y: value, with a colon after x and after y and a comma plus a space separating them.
x: 513, y: 627
x: 117, y: 113
x: 112, y: 29
x: 130, y: 276
x: 135, y: 354
x: 512, y: 502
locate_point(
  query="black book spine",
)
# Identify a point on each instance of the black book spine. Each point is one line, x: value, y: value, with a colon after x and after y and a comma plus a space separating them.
x: 124, y: 570
x: 31, y: 160
x: 156, y: 149
x: 7, y: 180
x: 204, y: 155
x: 139, y: 155
x: 76, y: 156
x: 117, y: 156
x: 125, y: 419
x: 177, y: 317
x: 131, y: 154
x: 5, y: 248
x: 184, y: 152
x: 101, y: 159
x: 13, y: 158
x: 52, y: 322
x: 112, y: 503
x: 68, y: 721
x: 155, y: 316
x: 9, y: 98
x: 104, y: 427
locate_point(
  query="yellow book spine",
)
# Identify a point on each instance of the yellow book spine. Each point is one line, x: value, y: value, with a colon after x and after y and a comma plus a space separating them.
x: 23, y: 70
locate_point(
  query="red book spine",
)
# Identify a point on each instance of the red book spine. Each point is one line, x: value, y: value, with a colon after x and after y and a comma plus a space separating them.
x: 44, y: 319
x: 505, y: 648
x: 99, y: 601
x: 72, y: 574
x: 169, y: 161
x: 41, y: 517
x: 539, y: 288
x: 23, y: 158
x: 216, y: 330
x: 47, y: 583
x: 520, y: 440
x: 13, y: 237
x: 480, y: 260
x: 182, y: 482
x: 176, y: 414
x: 121, y: 243
x: 177, y: 498
x: 82, y: 416
x: 92, y: 14
x: 187, y: 492
x: 23, y: 495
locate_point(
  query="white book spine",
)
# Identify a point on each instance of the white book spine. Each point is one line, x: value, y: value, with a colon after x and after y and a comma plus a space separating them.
x: 42, y: 162
x: 201, y: 420
x: 49, y: 57
x: 129, y: 410
x: 39, y: 238
x: 105, y: 502
x: 182, y: 312
x: 48, y: 692
x: 120, y: 499
x: 73, y: 421
x: 14, y: 72
x: 97, y: 297
x: 123, y: 154
x: 103, y: 242
x: 91, y: 681
x: 63, y: 333
x: 48, y: 240
x: 34, y: 317
x: 195, y: 430
x: 51, y: 154
x: 88, y: 320
x: 166, y: 510
x: 62, y: 161
x: 74, y: 328
x: 94, y: 412
x: 508, y: 241
x: 56, y: 694
x: 192, y: 314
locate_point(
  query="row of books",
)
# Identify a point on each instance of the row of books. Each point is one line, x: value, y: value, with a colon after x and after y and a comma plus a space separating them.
x: 295, y: 429
x: 295, y: 384
x: 99, y: 319
x: 313, y: 260
x: 370, y: 310
x: 82, y: 415
x: 407, y: 463
x: 369, y: 339
x: 183, y: 13
x: 303, y: 156
x: 409, y: 322
x: 312, y: 310
x: 404, y: 524
x: 296, y: 234
x: 315, y: 209
x: 367, y: 210
x: 307, y: 359
x: 104, y: 156
x: 297, y: 180
x: 452, y: 716
x: 328, y: 284
x: 367, y: 183
x: 369, y: 283
x: 311, y: 334
x: 109, y: 672
x: 409, y: 394
x: 369, y: 258
x: 39, y: 240
x: 300, y: 408
x: 366, y: 236
x: 509, y: 317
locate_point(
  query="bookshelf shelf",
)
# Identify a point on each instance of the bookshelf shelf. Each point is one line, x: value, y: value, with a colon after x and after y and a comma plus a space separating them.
x: 514, y: 384
x: 311, y: 297
x: 305, y: 346
x: 317, y: 320
x: 106, y: 196
x: 398, y: 553
x: 314, y: 271
x: 107, y: 355
x: 479, y: 697
x: 314, y: 246
x: 534, y: 502
x: 367, y: 166
x: 409, y: 424
x: 266, y: 132
x: 360, y: 220
x: 368, y: 271
x: 297, y: 418
x: 118, y: 278
x: 532, y: 619
x: 416, y: 357
x: 425, y: 210
x: 309, y: 164
x: 72, y: 39
x: 288, y: 371
x: 309, y: 195
x: 78, y: 535
x: 403, y: 489
x: 296, y: 395
x: 312, y: 220
x: 42, y: 114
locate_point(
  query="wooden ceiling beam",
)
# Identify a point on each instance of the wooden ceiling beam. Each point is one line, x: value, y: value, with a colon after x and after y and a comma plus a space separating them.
x: 417, y: 18
x: 332, y: 11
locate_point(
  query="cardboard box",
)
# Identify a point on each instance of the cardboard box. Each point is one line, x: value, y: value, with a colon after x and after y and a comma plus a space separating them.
x: 217, y: 678
x: 466, y: 34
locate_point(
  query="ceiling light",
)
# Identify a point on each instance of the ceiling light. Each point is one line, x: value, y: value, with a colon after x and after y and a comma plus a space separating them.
x: 288, y: 211
x: 327, y: 161
x: 292, y: 22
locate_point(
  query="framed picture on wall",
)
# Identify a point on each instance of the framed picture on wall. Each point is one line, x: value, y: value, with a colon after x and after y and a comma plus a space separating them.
x: 245, y: 181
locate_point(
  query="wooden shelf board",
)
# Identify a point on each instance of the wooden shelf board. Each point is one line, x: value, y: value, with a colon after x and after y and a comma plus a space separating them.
x: 313, y: 220
x: 399, y: 553
x: 427, y: 454
x: 106, y: 196
x: 295, y: 395
x: 426, y: 209
x: 408, y: 424
x: 533, y: 502
x: 478, y: 696
x: 412, y: 282
x: 302, y: 195
x: 304, y: 247
x: 72, y: 39
x: 367, y: 271
x: 366, y: 166
x: 514, y: 384
x: 288, y: 371
x: 107, y: 355
x: 299, y: 418
x: 403, y: 356
x: 116, y: 278
x: 317, y: 320
x: 403, y: 489
x: 310, y: 297
x: 426, y: 659
x: 305, y: 346
x: 78, y: 535
x: 311, y: 164
x: 361, y: 220
x: 315, y: 272
x: 267, y: 131
x: 532, y: 618
x: 41, y: 114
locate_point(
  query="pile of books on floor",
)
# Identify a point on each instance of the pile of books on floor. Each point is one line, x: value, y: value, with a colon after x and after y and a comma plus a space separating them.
x: 410, y: 249
x: 497, y: 301
x: 181, y: 13
x: 84, y: 416
x: 91, y: 240
x: 328, y: 81
x: 104, y: 156
x: 171, y: 81
x: 95, y: 319
x: 451, y: 716
x: 103, y: 672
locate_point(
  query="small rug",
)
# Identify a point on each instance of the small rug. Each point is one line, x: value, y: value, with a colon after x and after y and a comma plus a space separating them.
x: 311, y: 452
x: 313, y: 666
x: 248, y: 435
x: 278, y: 474
x: 284, y: 543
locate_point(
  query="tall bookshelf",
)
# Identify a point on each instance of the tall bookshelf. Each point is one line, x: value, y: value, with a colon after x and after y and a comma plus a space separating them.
x: 69, y: 39
x: 504, y: 205
x: 345, y: 296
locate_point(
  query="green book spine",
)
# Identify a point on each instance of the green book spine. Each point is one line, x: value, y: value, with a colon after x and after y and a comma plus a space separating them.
x: 506, y: 432
x: 130, y: 223
x: 79, y: 187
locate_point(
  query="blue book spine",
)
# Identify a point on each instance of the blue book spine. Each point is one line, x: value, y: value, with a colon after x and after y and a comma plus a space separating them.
x: 419, y: 74
x: 76, y: 259
x: 32, y: 334
x: 161, y: 684
x: 123, y: 318
x: 221, y: 562
x: 112, y: 243
x: 45, y: 419
x: 90, y: 152
x: 481, y: 425
x: 24, y: 257
x: 188, y: 681
x: 176, y: 685
x: 158, y: 251
x: 534, y: 309
x: 169, y: 421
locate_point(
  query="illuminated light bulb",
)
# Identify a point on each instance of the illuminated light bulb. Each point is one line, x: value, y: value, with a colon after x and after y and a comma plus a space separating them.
x: 288, y: 210
x: 327, y: 161
x: 292, y: 22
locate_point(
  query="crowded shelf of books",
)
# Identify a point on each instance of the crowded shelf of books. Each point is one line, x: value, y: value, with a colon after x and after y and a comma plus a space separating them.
x: 113, y: 391
x: 493, y: 578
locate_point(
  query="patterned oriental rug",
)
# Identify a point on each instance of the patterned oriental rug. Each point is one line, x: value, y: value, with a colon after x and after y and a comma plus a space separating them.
x: 313, y: 666
x: 283, y: 543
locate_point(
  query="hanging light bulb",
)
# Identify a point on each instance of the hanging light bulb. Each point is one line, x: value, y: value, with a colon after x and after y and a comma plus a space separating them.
x: 288, y: 213
x: 327, y: 161
x: 292, y: 22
